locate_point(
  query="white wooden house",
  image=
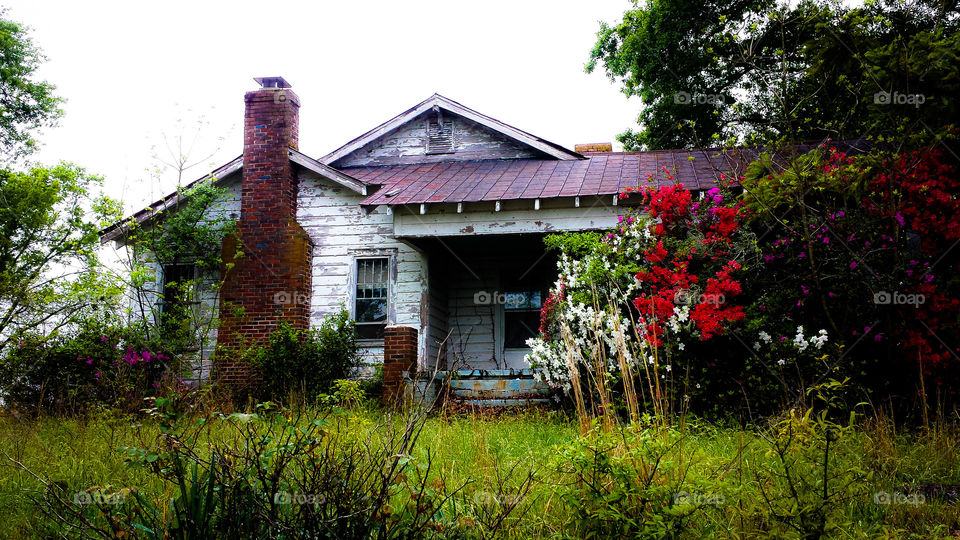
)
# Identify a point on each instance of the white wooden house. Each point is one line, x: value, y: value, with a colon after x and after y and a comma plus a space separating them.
x: 433, y: 220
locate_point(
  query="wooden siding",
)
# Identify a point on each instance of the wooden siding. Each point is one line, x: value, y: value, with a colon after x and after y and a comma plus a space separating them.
x: 408, y: 144
x: 226, y: 209
x: 341, y: 232
x: 438, y: 323
x: 472, y: 343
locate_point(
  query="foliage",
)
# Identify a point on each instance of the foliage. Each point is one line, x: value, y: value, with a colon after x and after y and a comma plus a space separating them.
x: 811, y: 484
x: 26, y: 103
x: 190, y: 234
x: 631, y: 301
x: 861, y: 245
x: 719, y: 473
x: 99, y: 363
x: 308, y: 362
x: 626, y: 483
x: 751, y: 72
x: 50, y: 275
x: 281, y: 475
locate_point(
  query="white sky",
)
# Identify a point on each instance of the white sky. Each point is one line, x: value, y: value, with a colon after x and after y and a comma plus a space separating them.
x: 130, y: 69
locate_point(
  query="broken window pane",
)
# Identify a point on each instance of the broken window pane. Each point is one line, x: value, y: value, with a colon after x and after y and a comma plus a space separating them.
x: 370, y: 310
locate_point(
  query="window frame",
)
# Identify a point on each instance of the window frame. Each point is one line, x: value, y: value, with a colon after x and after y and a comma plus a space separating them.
x: 187, y: 303
x: 366, y: 254
x: 503, y: 311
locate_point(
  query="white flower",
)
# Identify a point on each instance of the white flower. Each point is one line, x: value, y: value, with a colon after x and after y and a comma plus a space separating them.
x: 668, y: 367
x: 681, y: 346
x: 781, y: 361
x: 756, y: 346
x: 765, y: 337
x: 818, y: 340
x: 798, y: 340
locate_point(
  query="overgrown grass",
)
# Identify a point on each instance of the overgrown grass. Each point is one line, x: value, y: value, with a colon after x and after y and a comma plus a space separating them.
x: 696, y: 480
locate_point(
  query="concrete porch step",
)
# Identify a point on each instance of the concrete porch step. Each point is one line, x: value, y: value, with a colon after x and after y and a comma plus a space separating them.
x: 503, y: 402
x: 486, y: 387
x: 498, y: 388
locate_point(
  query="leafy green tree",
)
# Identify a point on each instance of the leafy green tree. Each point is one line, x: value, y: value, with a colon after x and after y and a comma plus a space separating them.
x: 50, y: 222
x: 754, y: 72
x: 26, y: 104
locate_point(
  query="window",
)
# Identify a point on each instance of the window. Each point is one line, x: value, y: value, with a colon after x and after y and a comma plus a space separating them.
x: 521, y: 318
x: 174, y: 306
x: 440, y: 137
x: 373, y: 287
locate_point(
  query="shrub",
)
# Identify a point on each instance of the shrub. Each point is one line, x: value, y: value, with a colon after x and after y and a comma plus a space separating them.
x: 99, y: 362
x: 307, y: 362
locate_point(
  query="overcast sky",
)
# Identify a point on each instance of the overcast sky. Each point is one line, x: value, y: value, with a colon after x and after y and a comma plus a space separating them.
x: 130, y: 69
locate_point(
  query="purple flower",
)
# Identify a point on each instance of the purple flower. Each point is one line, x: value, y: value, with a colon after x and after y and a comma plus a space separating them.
x: 853, y: 265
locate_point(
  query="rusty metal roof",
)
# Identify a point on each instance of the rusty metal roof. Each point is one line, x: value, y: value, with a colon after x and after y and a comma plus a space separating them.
x: 601, y: 173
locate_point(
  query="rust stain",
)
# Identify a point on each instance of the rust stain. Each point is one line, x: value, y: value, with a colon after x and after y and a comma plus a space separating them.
x: 467, y: 230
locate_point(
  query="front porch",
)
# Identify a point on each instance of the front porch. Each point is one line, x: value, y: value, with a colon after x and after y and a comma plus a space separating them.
x: 483, y: 300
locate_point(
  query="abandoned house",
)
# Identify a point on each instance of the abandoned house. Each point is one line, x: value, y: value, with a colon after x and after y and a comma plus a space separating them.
x: 429, y: 228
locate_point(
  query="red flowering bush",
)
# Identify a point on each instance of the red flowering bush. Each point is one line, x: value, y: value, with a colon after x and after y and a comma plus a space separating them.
x: 862, y: 245
x: 689, y: 270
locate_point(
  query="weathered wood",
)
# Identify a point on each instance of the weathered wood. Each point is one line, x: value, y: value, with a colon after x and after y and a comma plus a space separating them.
x: 507, y: 222
x: 393, y: 130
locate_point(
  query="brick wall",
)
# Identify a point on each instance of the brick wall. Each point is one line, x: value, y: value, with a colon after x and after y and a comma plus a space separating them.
x: 271, y: 281
x: 399, y: 355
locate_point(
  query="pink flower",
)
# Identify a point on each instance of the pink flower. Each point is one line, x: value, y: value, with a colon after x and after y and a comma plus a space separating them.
x: 853, y: 265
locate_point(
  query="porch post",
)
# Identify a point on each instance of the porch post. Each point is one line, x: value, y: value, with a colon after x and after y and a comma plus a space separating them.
x: 399, y: 355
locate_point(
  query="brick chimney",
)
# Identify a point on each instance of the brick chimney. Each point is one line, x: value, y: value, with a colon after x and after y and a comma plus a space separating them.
x: 271, y: 281
x: 593, y: 147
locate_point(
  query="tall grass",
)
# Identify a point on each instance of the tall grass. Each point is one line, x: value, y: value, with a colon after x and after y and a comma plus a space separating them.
x: 692, y: 480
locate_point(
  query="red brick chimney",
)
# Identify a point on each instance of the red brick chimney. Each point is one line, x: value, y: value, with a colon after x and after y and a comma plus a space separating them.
x: 271, y: 281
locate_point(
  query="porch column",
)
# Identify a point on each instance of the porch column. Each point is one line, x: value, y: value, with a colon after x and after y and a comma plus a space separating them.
x: 399, y: 355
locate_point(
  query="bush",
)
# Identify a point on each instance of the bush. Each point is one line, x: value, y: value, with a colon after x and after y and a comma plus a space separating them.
x: 307, y: 362
x: 100, y: 362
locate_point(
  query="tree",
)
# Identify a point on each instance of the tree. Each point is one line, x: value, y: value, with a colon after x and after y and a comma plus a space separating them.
x: 755, y: 72
x: 50, y: 222
x: 26, y: 104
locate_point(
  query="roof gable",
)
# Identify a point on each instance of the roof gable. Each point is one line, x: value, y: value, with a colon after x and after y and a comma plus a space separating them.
x: 406, y: 138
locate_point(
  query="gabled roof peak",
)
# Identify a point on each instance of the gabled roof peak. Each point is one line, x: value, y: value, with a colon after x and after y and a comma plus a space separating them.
x: 553, y: 150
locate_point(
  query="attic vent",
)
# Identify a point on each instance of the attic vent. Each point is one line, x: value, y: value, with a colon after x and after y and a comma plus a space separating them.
x: 440, y: 137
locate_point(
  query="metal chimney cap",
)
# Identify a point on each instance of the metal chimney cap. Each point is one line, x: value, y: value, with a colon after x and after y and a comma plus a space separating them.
x: 272, y: 82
